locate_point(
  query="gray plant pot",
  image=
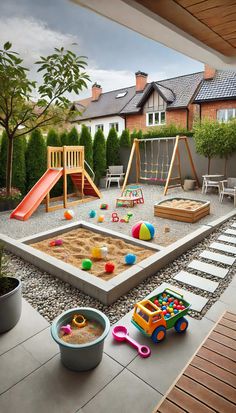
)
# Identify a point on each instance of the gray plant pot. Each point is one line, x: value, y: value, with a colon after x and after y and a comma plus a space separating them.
x: 10, y: 306
x: 189, y: 184
x: 81, y: 357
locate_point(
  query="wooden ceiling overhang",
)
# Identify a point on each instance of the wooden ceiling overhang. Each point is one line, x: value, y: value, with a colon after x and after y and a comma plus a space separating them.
x: 212, y: 22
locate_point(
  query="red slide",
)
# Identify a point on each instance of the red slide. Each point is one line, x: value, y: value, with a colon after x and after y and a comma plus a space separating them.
x: 35, y: 196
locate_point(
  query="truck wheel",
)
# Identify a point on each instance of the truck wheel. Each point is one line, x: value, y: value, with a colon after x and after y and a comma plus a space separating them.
x: 158, y: 334
x: 181, y: 325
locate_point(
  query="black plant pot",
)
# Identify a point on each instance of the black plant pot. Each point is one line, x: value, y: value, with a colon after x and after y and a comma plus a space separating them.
x: 8, y: 204
x: 10, y: 303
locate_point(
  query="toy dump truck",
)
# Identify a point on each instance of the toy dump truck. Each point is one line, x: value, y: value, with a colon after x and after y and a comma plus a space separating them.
x: 160, y: 313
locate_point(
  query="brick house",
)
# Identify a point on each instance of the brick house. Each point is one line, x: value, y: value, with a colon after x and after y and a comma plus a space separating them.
x: 170, y: 101
x: 217, y: 95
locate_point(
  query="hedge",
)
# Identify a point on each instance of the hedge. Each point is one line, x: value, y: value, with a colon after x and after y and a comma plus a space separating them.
x: 36, y: 158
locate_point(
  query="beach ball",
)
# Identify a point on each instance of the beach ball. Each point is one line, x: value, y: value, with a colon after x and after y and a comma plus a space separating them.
x: 92, y: 213
x: 69, y: 214
x: 143, y: 230
x: 130, y: 259
x: 86, y: 264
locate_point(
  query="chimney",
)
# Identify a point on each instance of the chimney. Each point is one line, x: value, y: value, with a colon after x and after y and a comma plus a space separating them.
x: 96, y: 92
x: 209, y: 72
x: 141, y: 81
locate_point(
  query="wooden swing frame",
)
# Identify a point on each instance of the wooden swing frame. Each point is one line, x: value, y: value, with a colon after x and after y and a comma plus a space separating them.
x: 135, y: 150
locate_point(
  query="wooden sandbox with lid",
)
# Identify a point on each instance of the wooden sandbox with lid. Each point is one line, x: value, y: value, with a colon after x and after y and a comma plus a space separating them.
x: 182, y: 209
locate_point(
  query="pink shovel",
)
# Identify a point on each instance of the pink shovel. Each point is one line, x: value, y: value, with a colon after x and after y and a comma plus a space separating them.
x: 120, y: 333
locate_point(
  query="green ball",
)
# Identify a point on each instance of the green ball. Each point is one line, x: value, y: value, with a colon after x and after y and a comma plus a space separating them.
x: 86, y: 264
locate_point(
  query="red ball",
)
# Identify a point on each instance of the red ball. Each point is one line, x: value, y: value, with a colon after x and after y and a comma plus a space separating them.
x: 176, y: 302
x: 156, y: 302
x: 109, y: 267
x: 178, y: 307
x: 164, y: 312
x: 182, y: 307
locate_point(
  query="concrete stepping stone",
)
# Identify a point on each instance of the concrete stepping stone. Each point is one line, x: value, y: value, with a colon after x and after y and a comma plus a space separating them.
x: 196, y: 281
x: 233, y: 225
x: 215, y: 256
x: 230, y: 231
x: 231, y: 240
x: 208, y: 268
x: 223, y: 247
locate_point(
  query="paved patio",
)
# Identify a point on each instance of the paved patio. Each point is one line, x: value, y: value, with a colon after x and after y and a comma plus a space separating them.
x: 32, y: 379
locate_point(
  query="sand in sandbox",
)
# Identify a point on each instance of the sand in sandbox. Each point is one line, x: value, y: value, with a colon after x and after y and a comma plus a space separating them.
x: 90, y: 332
x: 77, y: 246
x: 182, y: 204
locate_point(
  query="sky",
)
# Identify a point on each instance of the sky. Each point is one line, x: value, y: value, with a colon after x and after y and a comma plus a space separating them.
x: 114, y: 53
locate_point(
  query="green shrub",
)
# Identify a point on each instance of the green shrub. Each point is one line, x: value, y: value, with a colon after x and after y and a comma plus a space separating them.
x: 125, y: 139
x: 64, y: 138
x: 19, y: 168
x: 86, y: 141
x: 53, y: 138
x: 73, y: 137
x: 166, y: 131
x: 113, y: 148
x: 3, y: 160
x: 136, y: 135
x: 99, y: 155
x: 36, y: 158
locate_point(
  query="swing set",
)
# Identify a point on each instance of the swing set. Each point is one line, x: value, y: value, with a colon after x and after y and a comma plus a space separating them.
x: 158, y: 160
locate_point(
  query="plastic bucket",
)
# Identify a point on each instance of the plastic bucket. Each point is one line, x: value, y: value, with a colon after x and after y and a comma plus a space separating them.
x: 81, y: 357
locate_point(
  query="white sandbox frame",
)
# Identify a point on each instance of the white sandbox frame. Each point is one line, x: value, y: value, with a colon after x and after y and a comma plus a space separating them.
x: 106, y: 291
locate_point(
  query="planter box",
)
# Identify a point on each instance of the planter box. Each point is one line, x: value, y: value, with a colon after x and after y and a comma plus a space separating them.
x: 181, y: 213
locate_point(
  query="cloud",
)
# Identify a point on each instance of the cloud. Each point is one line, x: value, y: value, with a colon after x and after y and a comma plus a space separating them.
x: 32, y: 38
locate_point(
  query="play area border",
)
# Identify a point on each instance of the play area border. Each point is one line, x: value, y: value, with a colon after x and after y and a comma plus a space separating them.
x: 107, y: 291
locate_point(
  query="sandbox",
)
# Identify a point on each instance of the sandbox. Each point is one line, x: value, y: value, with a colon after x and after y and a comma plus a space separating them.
x: 182, y: 209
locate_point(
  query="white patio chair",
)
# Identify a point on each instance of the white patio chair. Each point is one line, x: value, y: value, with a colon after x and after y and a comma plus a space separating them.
x: 228, y: 188
x: 211, y: 181
x: 114, y: 174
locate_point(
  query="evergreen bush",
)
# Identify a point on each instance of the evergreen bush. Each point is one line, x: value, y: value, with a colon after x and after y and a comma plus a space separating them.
x: 73, y: 137
x: 125, y: 139
x: 36, y: 158
x: 99, y: 155
x: 167, y: 131
x: 19, y: 168
x: 64, y: 138
x: 113, y: 148
x: 53, y: 138
x: 136, y: 135
x: 3, y: 160
x: 86, y: 141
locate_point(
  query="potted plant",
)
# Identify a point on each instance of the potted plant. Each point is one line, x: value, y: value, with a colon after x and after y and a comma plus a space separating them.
x: 8, y: 202
x: 189, y: 184
x: 10, y: 296
x: 86, y: 356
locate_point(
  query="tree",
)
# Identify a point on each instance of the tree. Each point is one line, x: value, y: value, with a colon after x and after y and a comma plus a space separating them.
x: 87, y: 142
x: 207, y: 138
x: 62, y: 73
x: 36, y: 158
x: 125, y: 139
x: 113, y: 148
x: 53, y: 138
x: 64, y: 138
x: 99, y: 155
x: 73, y: 137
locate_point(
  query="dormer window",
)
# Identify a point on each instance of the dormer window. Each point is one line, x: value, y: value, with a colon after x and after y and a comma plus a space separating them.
x: 121, y: 94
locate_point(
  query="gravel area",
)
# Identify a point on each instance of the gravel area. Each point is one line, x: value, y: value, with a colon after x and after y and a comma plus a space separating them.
x: 41, y: 221
x: 51, y: 296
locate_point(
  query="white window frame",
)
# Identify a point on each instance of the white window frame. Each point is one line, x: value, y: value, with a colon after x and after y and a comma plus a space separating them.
x: 159, y: 112
x: 226, y: 110
x: 99, y: 126
x: 114, y: 125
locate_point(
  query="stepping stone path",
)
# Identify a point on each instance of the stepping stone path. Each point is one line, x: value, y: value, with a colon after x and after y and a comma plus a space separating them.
x: 201, y: 282
x: 196, y: 281
x: 223, y: 247
x: 215, y: 256
x: 230, y: 231
x: 208, y: 268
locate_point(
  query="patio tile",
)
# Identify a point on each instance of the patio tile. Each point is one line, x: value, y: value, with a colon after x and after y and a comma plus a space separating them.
x: 208, y: 268
x: 215, y: 256
x: 230, y: 231
x: 233, y: 225
x: 169, y: 357
x: 196, y: 281
x: 55, y: 389
x: 216, y: 311
x: 223, y: 247
x: 224, y: 238
x: 126, y: 394
x: 30, y: 323
x: 14, y: 366
x: 42, y: 346
x: 228, y: 297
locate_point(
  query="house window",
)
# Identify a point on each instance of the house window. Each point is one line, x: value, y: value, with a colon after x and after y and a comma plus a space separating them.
x: 115, y: 126
x: 99, y: 126
x: 224, y: 115
x: 155, y: 118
